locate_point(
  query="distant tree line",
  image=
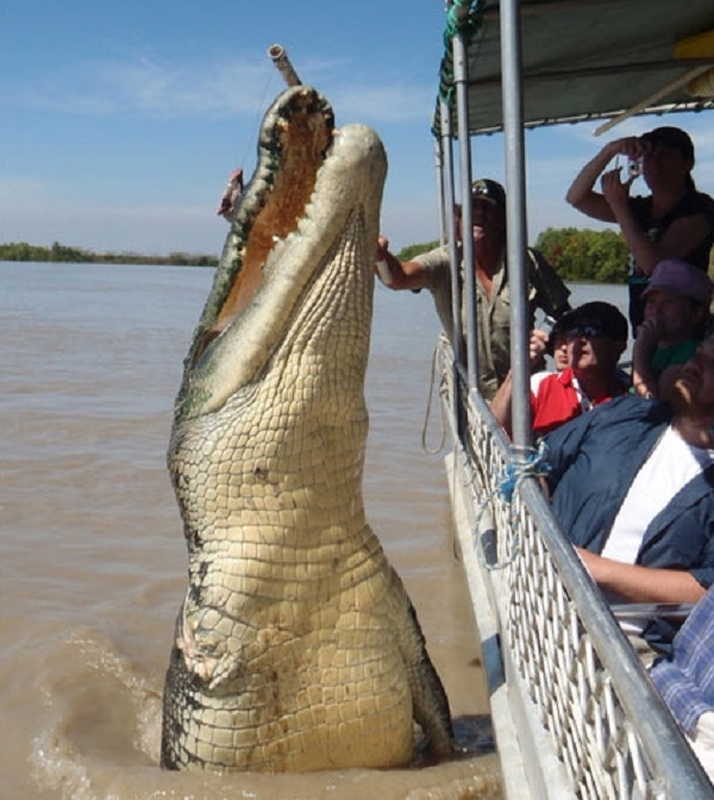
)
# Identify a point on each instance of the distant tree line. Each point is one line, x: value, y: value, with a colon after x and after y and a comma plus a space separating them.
x: 577, y: 255
x: 22, y: 251
x: 585, y: 255
x: 408, y: 253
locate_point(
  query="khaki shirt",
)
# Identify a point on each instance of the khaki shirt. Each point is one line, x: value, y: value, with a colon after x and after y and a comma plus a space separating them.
x: 493, y: 316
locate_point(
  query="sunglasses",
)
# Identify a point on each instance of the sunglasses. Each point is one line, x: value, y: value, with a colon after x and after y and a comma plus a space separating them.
x: 586, y: 331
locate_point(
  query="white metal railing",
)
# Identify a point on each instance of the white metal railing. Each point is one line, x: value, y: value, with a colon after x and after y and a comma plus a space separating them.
x: 592, y: 698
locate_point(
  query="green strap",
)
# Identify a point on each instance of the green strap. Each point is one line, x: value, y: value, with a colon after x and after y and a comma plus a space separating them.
x: 456, y: 23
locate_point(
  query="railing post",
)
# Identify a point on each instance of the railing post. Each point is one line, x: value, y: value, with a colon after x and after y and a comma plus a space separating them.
x: 517, y: 242
x: 447, y: 204
x: 460, y: 56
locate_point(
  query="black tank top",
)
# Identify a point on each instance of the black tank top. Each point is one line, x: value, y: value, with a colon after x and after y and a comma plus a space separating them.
x: 691, y: 204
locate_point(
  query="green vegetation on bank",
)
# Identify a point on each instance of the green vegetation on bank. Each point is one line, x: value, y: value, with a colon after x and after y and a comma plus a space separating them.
x: 21, y: 251
x: 408, y: 253
x: 585, y: 255
x: 578, y: 255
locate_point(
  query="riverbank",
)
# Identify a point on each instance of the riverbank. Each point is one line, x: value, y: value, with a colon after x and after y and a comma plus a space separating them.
x: 59, y: 253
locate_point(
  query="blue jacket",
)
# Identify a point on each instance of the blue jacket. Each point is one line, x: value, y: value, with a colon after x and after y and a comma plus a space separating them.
x: 594, y: 460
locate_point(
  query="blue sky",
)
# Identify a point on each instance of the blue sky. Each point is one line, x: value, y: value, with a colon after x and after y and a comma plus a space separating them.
x: 121, y: 121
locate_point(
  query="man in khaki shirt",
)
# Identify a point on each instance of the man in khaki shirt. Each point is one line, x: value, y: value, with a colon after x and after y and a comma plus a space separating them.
x: 431, y: 271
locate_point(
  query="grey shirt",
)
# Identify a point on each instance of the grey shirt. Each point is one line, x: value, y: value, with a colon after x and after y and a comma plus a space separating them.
x: 493, y: 315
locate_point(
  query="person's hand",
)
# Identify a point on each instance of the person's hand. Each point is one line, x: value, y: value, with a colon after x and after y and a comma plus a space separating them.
x: 381, y: 264
x: 615, y: 191
x: 648, y: 334
x: 631, y: 147
x: 537, y: 345
x: 382, y: 248
x: 643, y: 380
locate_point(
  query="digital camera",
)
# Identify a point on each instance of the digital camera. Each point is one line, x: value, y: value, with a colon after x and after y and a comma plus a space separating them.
x: 634, y: 168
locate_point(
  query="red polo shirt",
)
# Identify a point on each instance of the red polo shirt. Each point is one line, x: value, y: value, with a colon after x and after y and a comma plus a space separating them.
x: 557, y: 399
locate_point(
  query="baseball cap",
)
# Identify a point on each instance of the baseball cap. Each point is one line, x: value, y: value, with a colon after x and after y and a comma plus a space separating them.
x: 669, y: 136
x: 487, y: 189
x: 607, y: 317
x: 673, y: 275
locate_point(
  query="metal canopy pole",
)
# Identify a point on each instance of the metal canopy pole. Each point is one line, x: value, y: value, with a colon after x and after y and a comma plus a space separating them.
x: 516, y: 222
x: 447, y: 193
x: 439, y: 164
x: 460, y: 52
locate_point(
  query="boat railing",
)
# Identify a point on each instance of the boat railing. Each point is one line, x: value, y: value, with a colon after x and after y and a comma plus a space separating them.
x: 569, y: 695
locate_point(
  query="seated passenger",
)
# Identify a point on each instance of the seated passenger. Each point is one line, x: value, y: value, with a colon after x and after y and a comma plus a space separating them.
x: 596, y: 335
x: 686, y: 680
x: 676, y: 307
x: 493, y: 296
x: 632, y: 485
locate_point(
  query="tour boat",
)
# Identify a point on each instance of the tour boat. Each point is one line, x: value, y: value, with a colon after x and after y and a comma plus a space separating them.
x: 574, y: 711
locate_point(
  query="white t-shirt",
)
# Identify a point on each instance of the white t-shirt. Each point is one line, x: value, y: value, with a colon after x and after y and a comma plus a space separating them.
x: 669, y: 468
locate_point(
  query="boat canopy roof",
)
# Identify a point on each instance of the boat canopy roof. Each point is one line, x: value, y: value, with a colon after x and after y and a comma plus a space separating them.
x: 584, y: 59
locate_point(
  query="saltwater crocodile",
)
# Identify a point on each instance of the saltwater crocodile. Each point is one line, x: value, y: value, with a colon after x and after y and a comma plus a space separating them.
x: 296, y: 647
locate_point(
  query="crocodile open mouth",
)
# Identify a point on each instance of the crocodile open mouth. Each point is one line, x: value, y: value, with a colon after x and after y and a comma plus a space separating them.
x: 295, y: 139
x: 308, y: 217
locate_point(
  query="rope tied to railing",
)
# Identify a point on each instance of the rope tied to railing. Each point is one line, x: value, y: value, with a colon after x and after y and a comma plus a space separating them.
x: 535, y: 465
x: 438, y: 354
x: 530, y: 463
x: 460, y: 20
